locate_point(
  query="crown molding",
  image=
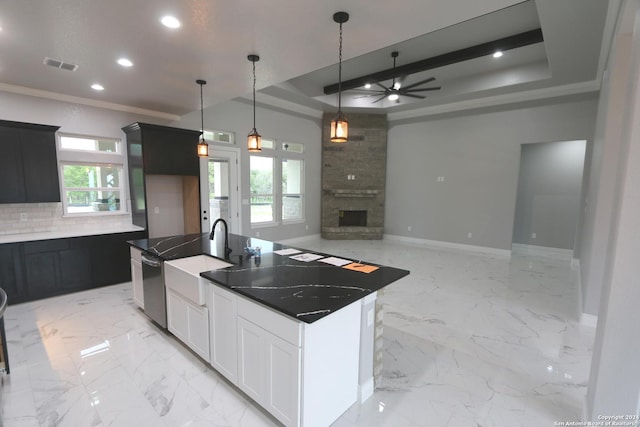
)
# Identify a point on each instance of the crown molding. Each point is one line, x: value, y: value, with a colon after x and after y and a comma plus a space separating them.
x: 492, y: 101
x: 22, y: 90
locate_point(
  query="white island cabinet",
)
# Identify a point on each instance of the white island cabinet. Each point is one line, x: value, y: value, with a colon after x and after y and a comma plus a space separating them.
x: 187, y: 311
x: 304, y: 374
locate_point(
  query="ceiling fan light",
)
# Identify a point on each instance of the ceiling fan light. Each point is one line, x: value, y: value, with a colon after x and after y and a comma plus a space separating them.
x: 397, y: 85
x: 367, y: 85
x: 339, y: 128
x: 393, y: 97
x: 497, y: 54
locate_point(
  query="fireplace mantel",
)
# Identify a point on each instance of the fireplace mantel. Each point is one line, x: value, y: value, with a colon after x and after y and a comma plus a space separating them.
x: 353, y: 192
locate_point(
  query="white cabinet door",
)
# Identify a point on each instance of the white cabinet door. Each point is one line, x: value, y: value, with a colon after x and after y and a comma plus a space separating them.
x: 188, y: 322
x: 283, y: 379
x: 251, y: 366
x: 177, y: 318
x: 223, y: 306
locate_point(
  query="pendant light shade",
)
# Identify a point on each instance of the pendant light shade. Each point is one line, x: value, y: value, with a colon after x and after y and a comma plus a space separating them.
x: 254, y: 140
x: 203, y: 147
x: 340, y: 125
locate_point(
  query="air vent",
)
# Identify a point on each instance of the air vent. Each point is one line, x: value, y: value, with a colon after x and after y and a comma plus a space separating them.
x: 60, y: 64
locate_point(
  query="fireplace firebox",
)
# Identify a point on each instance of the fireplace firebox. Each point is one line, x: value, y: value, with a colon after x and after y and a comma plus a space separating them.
x: 352, y: 218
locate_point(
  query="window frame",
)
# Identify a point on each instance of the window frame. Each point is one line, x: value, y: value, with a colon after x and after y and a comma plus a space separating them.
x: 301, y: 194
x: 273, y: 195
x: 77, y: 157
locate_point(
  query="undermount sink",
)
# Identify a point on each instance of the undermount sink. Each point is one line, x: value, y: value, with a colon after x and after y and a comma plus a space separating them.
x: 183, y: 275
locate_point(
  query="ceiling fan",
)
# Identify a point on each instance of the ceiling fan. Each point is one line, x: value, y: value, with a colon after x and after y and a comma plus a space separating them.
x: 396, y: 89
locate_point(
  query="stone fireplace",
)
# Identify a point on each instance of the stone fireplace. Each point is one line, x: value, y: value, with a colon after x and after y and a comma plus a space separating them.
x: 353, y: 179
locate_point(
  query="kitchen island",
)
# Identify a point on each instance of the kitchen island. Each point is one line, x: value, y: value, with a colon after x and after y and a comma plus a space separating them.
x: 290, y: 328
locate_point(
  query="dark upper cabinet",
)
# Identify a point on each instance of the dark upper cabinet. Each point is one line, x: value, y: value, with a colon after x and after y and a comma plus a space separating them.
x: 28, y: 163
x: 157, y: 150
x: 165, y: 150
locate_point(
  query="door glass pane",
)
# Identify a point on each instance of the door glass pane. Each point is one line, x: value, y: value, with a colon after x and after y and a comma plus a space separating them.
x: 219, y: 188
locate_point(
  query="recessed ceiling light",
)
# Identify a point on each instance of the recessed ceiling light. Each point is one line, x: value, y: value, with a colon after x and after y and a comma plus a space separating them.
x: 497, y: 54
x: 170, y: 22
x: 125, y: 62
x: 97, y: 86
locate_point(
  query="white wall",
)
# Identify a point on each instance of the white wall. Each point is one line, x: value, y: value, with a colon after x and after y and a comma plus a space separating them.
x: 478, y: 154
x: 614, y: 382
x: 237, y: 117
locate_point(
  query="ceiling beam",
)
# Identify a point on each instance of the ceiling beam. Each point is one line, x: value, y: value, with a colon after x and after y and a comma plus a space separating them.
x: 503, y: 44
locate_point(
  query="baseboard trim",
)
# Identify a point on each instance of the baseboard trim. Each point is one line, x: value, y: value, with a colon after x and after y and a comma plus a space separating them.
x: 449, y: 245
x: 296, y: 240
x: 557, y: 253
x: 588, y: 320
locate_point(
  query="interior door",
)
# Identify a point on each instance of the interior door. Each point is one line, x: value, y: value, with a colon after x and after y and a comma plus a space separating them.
x: 219, y: 188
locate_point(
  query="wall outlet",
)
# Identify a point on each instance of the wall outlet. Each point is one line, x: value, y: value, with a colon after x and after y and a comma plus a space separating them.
x: 409, y: 228
x: 440, y: 179
x: 23, y: 216
x: 306, y: 227
x: 156, y: 210
x: 469, y: 235
x: 257, y: 234
x: 533, y: 235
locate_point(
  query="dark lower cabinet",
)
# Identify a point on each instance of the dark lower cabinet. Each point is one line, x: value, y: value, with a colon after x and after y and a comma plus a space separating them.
x: 40, y: 269
x: 11, y: 270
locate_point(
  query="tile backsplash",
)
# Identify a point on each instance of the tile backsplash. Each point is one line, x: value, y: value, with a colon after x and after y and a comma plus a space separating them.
x: 17, y: 218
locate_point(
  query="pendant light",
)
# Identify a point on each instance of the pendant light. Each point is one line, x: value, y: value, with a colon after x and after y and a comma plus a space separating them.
x: 203, y: 147
x: 340, y: 125
x: 254, y: 140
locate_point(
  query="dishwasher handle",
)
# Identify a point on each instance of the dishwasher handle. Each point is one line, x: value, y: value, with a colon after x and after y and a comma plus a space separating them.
x: 151, y: 261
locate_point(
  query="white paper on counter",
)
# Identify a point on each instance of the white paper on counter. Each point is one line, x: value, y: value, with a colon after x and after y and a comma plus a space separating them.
x: 306, y: 257
x: 339, y: 262
x: 289, y: 251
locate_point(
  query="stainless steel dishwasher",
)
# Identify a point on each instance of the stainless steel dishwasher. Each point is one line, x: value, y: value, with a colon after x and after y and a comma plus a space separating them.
x: 155, y: 305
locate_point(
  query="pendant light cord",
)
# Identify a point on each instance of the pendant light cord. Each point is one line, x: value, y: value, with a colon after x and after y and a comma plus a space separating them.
x: 254, y: 94
x: 201, y: 113
x: 340, y: 71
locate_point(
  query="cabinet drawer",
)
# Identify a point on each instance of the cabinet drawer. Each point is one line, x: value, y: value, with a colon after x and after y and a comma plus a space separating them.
x: 288, y: 329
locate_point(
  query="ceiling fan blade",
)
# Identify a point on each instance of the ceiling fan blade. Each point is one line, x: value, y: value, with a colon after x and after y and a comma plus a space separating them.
x: 413, y: 96
x: 369, y: 91
x: 383, y: 88
x: 367, y: 96
x: 379, y: 99
x: 422, y: 90
x: 430, y: 79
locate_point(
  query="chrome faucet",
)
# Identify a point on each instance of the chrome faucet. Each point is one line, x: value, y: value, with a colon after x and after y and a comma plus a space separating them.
x: 227, y: 249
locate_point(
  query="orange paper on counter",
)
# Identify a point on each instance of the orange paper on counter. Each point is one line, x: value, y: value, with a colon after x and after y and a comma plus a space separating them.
x: 362, y: 268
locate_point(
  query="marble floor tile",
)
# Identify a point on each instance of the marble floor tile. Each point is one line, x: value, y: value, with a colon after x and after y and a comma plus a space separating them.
x: 469, y: 340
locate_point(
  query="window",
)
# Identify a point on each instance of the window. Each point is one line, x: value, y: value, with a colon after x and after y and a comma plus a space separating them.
x: 261, y: 183
x: 268, y: 144
x: 219, y: 136
x: 293, y: 147
x: 92, y: 174
x: 292, y: 189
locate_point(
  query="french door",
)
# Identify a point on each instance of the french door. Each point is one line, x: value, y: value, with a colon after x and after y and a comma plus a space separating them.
x: 219, y: 188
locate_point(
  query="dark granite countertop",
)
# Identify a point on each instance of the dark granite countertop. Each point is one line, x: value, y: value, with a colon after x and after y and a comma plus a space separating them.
x: 306, y: 291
